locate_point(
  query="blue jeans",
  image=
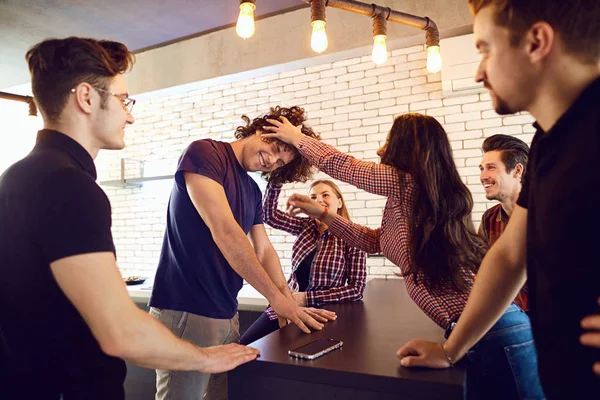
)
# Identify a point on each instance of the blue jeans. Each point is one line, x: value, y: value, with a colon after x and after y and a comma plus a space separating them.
x: 503, y: 365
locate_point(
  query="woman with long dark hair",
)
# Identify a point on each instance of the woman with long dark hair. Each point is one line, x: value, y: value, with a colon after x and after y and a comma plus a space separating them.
x: 428, y: 233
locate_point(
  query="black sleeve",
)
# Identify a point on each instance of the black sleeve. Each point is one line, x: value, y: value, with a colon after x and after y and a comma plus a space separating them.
x: 76, y: 218
x: 202, y: 157
x: 522, y: 201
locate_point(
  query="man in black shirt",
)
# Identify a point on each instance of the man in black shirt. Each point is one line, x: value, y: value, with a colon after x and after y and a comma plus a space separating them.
x: 66, y: 320
x: 542, y: 56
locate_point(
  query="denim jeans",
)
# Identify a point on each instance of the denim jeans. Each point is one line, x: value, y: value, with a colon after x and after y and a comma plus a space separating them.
x: 503, y: 365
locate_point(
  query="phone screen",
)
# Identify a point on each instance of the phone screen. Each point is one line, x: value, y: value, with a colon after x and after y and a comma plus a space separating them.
x: 317, y: 346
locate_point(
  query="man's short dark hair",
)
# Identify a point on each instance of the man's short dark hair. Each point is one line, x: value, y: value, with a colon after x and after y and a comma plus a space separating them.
x: 575, y: 20
x: 514, y: 151
x: 58, y: 65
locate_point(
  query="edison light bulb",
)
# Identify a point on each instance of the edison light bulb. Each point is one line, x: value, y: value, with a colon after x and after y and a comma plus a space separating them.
x: 245, y: 22
x: 318, y: 41
x: 380, y: 54
x: 434, y: 59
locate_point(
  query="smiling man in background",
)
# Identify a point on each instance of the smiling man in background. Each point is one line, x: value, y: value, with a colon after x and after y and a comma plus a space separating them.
x: 502, y: 169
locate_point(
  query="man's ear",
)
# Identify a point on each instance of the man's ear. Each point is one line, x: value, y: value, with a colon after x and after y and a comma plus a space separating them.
x: 540, y: 39
x: 83, y: 96
x: 518, y: 171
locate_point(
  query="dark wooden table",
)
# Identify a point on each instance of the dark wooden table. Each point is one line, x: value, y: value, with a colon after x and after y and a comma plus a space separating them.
x: 364, y: 368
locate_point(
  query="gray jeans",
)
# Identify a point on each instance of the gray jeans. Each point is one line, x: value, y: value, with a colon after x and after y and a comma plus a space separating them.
x: 203, y: 332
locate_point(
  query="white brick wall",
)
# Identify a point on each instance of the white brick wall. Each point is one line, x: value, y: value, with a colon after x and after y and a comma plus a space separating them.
x: 351, y: 103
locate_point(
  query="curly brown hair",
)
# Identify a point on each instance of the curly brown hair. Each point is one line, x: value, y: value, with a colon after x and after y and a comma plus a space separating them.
x: 299, y: 170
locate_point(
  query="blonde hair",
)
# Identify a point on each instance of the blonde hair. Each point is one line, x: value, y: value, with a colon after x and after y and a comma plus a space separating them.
x: 342, y: 211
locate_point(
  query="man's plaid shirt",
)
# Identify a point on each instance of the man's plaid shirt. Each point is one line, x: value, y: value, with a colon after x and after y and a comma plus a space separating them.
x: 392, y: 239
x: 335, y: 263
x: 493, y: 223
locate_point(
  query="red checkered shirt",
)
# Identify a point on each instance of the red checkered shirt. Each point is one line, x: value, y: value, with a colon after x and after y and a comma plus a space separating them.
x: 334, y: 264
x: 493, y: 223
x: 392, y: 239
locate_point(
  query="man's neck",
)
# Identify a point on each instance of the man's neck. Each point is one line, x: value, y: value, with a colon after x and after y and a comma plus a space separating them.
x: 79, y: 135
x: 508, y: 204
x: 561, y: 88
x: 238, y: 149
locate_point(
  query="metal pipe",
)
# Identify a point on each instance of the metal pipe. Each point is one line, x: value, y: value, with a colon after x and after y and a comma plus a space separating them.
x: 15, y: 97
x: 23, y: 99
x: 424, y: 23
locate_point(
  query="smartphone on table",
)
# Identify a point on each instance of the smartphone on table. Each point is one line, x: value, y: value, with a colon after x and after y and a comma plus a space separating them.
x: 315, y: 349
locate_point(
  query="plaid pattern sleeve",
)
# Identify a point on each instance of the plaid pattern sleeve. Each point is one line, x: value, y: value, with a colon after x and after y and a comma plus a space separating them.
x: 356, y: 235
x: 278, y: 219
x: 356, y: 270
x: 380, y: 179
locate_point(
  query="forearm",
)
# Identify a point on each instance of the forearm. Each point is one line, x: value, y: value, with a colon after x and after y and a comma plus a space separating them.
x: 492, y: 293
x: 271, y: 264
x: 278, y: 219
x: 146, y: 342
x: 334, y: 295
x: 240, y: 255
x: 355, y: 235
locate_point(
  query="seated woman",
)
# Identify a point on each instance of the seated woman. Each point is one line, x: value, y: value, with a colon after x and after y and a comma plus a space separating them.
x: 324, y: 268
x: 427, y: 231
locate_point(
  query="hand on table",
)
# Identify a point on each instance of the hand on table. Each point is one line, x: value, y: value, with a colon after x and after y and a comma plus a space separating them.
x: 421, y: 353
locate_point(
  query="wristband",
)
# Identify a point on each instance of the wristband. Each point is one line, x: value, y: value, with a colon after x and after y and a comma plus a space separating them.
x: 447, y: 355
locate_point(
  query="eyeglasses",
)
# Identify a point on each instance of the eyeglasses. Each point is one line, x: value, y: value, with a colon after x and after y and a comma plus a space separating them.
x: 127, y: 102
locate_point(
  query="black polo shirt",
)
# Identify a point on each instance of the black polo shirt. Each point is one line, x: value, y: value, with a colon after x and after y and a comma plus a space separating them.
x: 561, y: 192
x: 51, y: 208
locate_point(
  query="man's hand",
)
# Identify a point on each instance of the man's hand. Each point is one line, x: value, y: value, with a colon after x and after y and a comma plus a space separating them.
x: 320, y: 314
x: 592, y: 338
x: 421, y: 353
x: 287, y: 308
x: 299, y: 203
x: 227, y: 357
x: 300, y: 298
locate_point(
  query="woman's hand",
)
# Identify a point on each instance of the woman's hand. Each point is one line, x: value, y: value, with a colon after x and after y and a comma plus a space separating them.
x: 299, y: 203
x: 284, y: 131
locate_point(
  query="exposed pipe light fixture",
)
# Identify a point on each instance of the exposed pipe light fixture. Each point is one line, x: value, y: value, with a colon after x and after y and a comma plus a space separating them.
x: 380, y: 54
x: 245, y: 22
x: 23, y: 99
x: 380, y: 16
x: 318, y: 40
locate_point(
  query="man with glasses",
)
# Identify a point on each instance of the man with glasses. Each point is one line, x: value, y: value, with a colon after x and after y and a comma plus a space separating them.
x: 66, y: 319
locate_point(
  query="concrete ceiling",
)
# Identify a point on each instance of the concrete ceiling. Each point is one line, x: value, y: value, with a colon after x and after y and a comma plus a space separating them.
x: 140, y: 24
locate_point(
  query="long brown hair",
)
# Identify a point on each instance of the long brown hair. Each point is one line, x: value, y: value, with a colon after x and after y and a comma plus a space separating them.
x: 343, y: 211
x: 443, y: 240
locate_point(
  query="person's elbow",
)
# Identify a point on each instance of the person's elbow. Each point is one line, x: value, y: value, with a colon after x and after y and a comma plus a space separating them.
x: 119, y: 338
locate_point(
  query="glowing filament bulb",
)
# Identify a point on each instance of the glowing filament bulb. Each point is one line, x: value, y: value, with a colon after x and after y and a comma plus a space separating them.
x: 434, y: 59
x: 245, y: 22
x: 318, y: 41
x: 380, y: 54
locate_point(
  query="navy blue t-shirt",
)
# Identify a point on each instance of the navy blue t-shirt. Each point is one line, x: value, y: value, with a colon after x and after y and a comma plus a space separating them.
x: 192, y: 274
